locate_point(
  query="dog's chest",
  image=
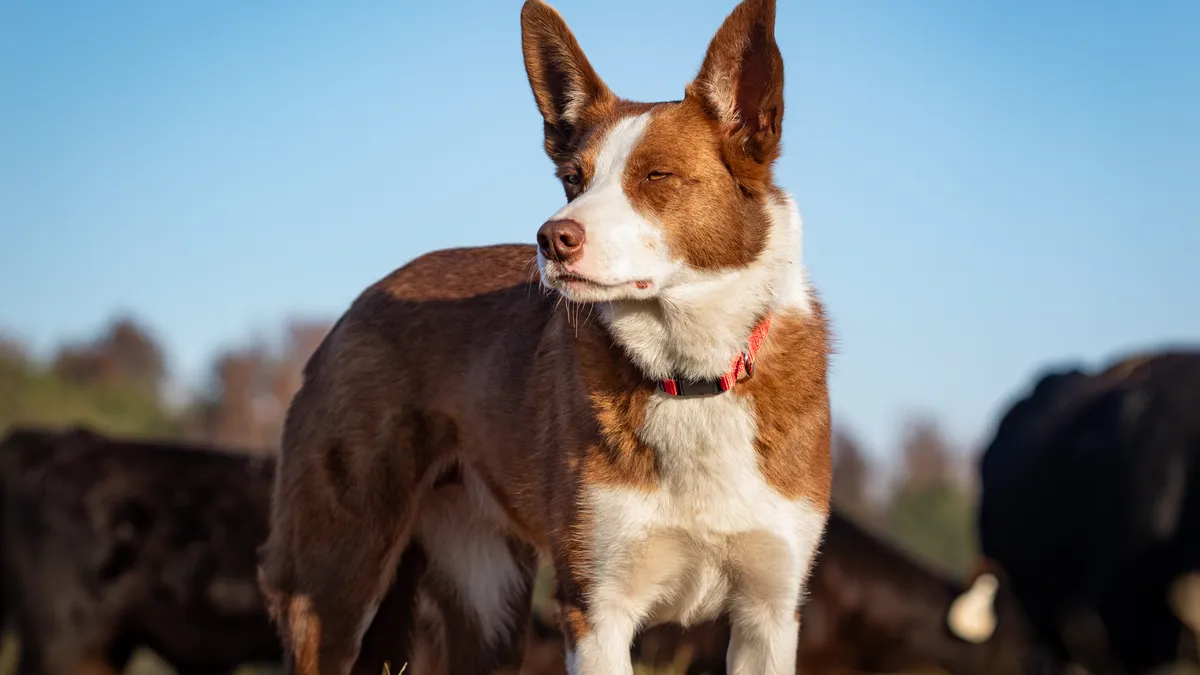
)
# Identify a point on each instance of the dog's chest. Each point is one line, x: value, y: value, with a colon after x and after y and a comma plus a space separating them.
x: 680, y: 547
x: 708, y: 462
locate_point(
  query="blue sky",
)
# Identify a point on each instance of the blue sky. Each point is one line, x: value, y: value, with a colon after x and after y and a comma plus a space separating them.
x: 988, y: 188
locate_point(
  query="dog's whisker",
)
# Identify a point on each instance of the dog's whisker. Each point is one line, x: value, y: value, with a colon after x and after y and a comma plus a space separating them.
x: 532, y: 271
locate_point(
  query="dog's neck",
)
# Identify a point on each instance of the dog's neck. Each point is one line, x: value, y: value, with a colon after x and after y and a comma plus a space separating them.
x: 703, y: 319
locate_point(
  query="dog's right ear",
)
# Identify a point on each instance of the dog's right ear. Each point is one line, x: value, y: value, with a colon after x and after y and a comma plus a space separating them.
x: 568, y: 91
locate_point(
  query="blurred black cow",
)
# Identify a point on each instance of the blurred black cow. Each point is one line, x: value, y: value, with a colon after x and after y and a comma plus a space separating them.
x: 1090, y: 510
x: 111, y: 545
x: 874, y: 608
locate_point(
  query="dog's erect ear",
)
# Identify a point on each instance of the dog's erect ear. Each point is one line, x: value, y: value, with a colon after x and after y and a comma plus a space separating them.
x: 568, y: 91
x: 740, y: 84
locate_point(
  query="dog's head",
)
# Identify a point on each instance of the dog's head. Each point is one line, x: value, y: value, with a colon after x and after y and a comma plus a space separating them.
x: 660, y: 196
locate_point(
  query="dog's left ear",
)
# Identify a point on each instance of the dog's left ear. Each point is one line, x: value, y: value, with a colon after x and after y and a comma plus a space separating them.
x: 567, y: 90
x: 740, y: 84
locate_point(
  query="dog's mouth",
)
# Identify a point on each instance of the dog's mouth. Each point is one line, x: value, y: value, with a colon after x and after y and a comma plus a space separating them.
x: 579, y: 287
x: 572, y: 279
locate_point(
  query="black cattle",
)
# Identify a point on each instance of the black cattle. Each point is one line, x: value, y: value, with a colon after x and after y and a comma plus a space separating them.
x: 111, y: 545
x: 1090, y: 512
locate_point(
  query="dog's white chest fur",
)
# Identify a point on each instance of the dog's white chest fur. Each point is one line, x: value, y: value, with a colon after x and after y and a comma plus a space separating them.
x: 712, y: 532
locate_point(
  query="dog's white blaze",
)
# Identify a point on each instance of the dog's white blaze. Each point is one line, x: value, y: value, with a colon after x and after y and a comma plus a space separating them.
x: 622, y: 245
x: 972, y: 615
x: 713, y: 536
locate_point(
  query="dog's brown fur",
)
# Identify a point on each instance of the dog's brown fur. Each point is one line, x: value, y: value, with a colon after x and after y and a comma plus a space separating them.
x: 457, y: 406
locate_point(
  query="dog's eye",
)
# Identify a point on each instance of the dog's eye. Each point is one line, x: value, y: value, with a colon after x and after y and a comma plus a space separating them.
x: 657, y: 175
x: 572, y: 178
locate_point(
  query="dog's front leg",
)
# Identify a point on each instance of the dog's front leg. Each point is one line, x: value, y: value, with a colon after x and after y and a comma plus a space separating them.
x: 601, y: 639
x: 612, y: 586
x: 764, y: 603
x: 763, y: 640
x: 601, y: 615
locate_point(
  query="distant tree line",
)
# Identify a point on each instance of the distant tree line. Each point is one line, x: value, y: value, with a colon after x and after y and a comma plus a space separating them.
x: 113, y: 382
x: 116, y: 382
x: 927, y: 503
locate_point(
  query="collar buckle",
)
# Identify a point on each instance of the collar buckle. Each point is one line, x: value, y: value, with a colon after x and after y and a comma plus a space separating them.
x: 692, y: 388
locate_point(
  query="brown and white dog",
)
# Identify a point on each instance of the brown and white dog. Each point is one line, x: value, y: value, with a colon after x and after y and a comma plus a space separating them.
x: 662, y: 435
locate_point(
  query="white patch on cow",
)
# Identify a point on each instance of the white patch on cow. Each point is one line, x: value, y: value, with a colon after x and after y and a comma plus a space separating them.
x: 469, y: 551
x: 713, y: 536
x: 1184, y: 600
x: 972, y: 615
x: 621, y: 246
x: 702, y: 318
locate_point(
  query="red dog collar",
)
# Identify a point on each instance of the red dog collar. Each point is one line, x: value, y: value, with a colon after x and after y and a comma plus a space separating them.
x: 742, y: 363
